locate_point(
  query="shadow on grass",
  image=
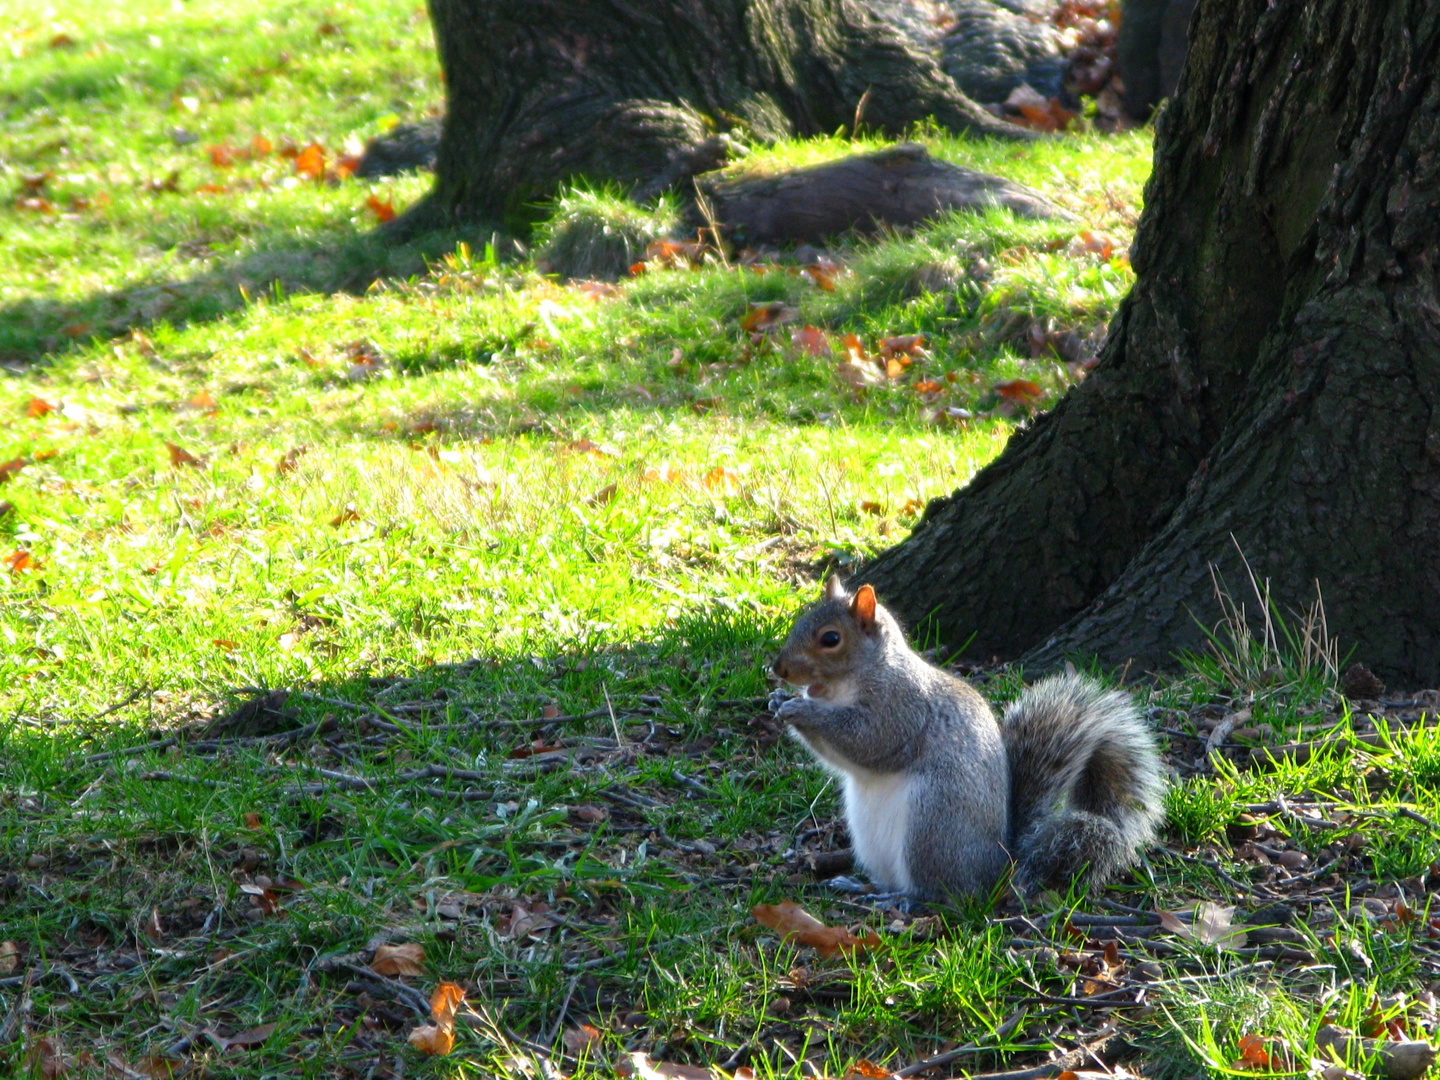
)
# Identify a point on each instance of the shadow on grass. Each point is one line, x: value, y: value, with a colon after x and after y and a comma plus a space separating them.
x: 34, y: 330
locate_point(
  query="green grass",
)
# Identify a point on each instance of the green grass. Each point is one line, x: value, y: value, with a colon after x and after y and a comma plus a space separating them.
x: 442, y: 496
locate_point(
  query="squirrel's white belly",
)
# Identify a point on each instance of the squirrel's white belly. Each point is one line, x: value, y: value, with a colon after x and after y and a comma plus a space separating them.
x: 877, y: 809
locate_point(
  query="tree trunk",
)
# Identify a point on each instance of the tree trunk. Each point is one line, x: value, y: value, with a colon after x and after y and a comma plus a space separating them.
x: 1271, y: 385
x: 543, y: 91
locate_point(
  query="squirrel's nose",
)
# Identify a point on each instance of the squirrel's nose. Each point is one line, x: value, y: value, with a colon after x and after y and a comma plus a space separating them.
x: 779, y: 668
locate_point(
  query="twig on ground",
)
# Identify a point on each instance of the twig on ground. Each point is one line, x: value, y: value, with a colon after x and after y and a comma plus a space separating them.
x: 1009, y: 1024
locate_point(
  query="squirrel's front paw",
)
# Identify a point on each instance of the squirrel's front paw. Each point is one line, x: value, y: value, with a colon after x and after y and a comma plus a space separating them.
x: 792, y: 707
x: 779, y: 697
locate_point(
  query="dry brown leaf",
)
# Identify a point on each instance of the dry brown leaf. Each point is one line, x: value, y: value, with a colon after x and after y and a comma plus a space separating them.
x: 794, y: 922
x: 603, y: 496
x: 290, y: 460
x: 646, y: 1069
x: 9, y: 957
x: 432, y: 1039
x: 11, y: 468
x: 579, y: 1039
x: 256, y: 1036
x: 763, y: 317
x: 348, y: 514
x: 393, y: 960
x: 1211, y: 925
x: 251, y: 819
x: 860, y: 375
x: 180, y: 456
x: 591, y: 814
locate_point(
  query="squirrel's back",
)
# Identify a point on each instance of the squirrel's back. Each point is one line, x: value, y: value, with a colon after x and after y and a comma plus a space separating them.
x: 1085, y: 781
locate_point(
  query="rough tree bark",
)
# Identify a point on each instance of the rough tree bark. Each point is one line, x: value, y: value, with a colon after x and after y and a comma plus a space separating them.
x: 541, y: 91
x: 1274, y: 375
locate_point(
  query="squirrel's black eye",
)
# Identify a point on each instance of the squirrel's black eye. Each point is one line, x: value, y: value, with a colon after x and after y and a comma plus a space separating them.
x: 830, y: 638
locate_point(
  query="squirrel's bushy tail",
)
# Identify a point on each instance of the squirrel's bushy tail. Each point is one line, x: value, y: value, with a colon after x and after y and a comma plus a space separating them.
x: 1085, y: 781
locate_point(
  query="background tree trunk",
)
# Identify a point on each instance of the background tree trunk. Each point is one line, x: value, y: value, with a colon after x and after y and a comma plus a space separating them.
x: 541, y: 91
x: 1274, y: 375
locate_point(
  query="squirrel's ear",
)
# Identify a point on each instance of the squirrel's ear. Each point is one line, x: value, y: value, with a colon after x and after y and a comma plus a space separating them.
x: 834, y: 587
x: 862, y: 606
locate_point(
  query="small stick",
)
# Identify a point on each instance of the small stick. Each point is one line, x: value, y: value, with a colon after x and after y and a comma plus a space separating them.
x: 564, y: 1006
x: 1006, y: 1027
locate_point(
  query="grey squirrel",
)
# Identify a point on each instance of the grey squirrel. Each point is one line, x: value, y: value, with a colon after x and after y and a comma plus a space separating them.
x: 939, y: 798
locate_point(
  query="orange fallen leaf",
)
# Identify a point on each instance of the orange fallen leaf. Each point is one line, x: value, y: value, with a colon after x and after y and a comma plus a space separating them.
x: 385, y: 211
x: 439, y: 1037
x: 680, y: 253
x: 722, y: 478
x: 393, y: 960
x: 11, y: 467
x: 180, y: 456
x: 252, y: 820
x: 865, y: 1069
x: 1098, y: 244
x: 811, y: 341
x: 62, y: 41
x: 1022, y: 391
x: 311, y: 162
x: 763, y: 317
x: 225, y: 644
x: 1253, y: 1054
x: 872, y: 508
x: 347, y: 165
x: 928, y: 386
x: 222, y: 156
x: 260, y: 146
x: 212, y: 189
x: 201, y: 399
x: 795, y: 923
x: 19, y: 559
x: 822, y: 275
x: 348, y: 514
x: 38, y: 407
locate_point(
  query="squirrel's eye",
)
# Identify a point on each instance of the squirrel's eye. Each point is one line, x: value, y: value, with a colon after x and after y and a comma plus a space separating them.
x: 830, y: 638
